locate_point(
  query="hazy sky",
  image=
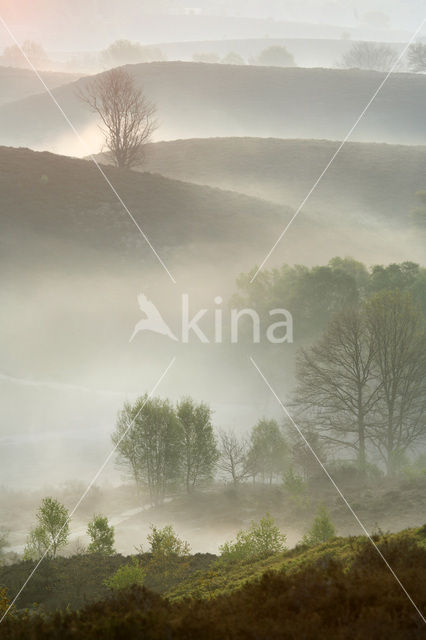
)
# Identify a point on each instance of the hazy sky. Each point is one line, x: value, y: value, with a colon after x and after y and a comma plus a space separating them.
x: 86, y: 24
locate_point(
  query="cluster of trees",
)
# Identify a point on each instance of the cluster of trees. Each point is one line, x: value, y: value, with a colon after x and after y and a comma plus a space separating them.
x: 314, y: 295
x: 164, y: 446
x: 13, y: 56
x: 52, y: 532
x: 275, y: 56
x: 363, y: 384
x: 167, y: 448
x: 123, y: 52
x: 381, y: 57
x: 369, y: 55
x: 263, y: 456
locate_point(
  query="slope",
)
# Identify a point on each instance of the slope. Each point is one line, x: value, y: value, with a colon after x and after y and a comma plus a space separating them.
x: 199, y: 100
x: 366, y: 178
x: 17, y: 84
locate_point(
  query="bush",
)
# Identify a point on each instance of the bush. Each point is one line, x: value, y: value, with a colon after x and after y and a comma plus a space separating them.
x: 101, y: 535
x: 322, y: 529
x: 261, y: 540
x: 127, y: 576
x: 164, y: 542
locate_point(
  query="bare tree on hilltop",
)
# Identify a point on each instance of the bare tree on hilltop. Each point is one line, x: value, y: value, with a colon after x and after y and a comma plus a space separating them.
x: 128, y: 117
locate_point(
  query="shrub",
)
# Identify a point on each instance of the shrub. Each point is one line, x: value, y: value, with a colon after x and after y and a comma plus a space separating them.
x: 261, y: 540
x: 164, y: 542
x: 127, y: 576
x: 101, y: 535
x: 322, y: 529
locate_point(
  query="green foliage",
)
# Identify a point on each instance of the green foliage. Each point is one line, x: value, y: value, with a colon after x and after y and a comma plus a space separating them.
x: 4, y: 601
x: 260, y: 540
x: 268, y: 451
x: 327, y: 592
x: 169, y: 560
x: 4, y: 543
x: 322, y: 529
x: 296, y: 488
x: 52, y: 531
x: 314, y: 295
x: 199, y: 447
x: 152, y: 448
x: 101, y: 535
x: 127, y: 576
x: 164, y: 542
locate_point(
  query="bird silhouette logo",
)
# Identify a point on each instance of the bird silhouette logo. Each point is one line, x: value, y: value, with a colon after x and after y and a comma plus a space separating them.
x: 153, y: 320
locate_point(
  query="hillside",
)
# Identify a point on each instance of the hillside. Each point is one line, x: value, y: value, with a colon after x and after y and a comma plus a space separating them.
x: 58, y: 206
x: 199, y: 100
x: 341, y: 589
x: 21, y: 83
x: 376, y: 179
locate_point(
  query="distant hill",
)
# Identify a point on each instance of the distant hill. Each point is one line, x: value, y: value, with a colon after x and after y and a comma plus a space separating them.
x: 375, y: 179
x: 199, y: 100
x: 55, y: 207
x: 21, y: 83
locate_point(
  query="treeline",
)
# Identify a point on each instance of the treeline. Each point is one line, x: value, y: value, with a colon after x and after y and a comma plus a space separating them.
x: 314, y: 295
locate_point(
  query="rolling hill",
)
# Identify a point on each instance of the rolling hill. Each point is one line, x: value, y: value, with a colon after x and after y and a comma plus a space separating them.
x: 366, y: 179
x: 199, y: 100
x: 61, y: 206
x: 21, y: 83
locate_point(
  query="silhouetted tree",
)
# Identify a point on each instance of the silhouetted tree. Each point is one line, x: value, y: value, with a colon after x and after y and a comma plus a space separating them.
x: 398, y: 331
x: 338, y: 390
x: 127, y: 116
x: 233, y: 456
